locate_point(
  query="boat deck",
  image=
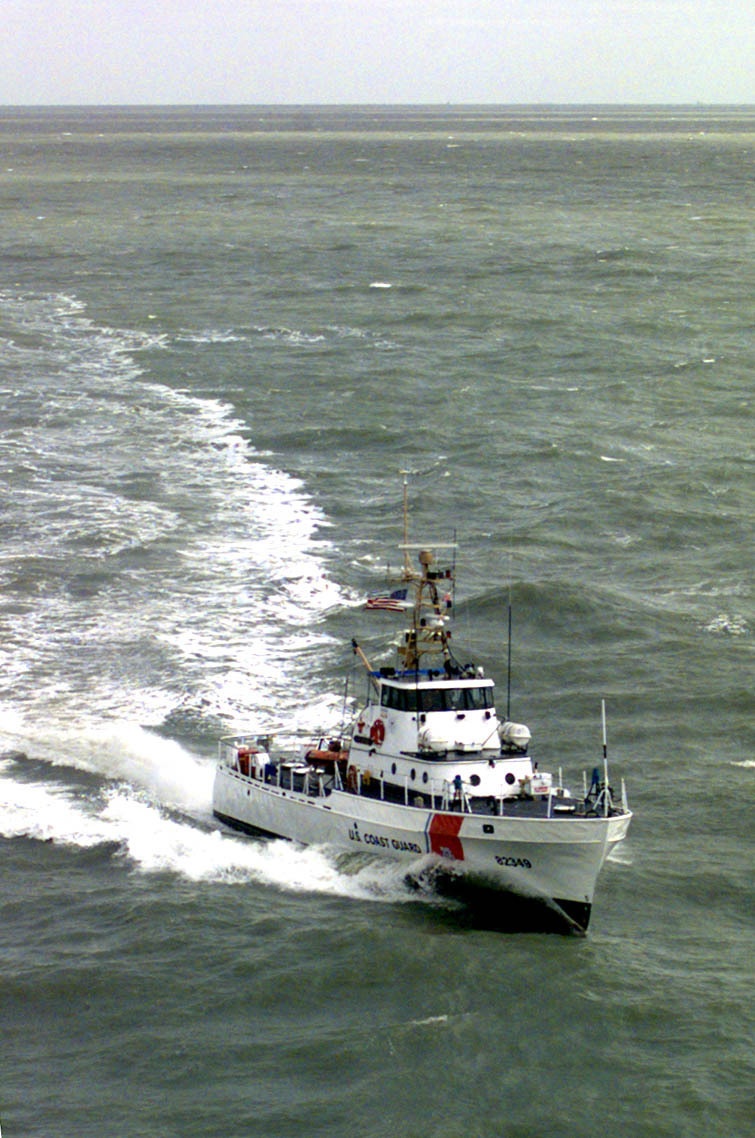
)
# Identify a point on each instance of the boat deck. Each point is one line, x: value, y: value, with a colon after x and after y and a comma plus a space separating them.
x: 312, y: 782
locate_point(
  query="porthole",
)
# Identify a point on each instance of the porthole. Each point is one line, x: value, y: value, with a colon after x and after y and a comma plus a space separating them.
x: 475, y: 780
x: 424, y: 776
x: 393, y: 768
x: 510, y: 779
x: 413, y: 775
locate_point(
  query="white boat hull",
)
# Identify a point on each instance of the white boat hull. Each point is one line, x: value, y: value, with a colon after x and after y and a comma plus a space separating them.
x: 554, y: 859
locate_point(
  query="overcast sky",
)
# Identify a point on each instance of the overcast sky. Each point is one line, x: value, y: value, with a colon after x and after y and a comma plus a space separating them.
x: 377, y: 51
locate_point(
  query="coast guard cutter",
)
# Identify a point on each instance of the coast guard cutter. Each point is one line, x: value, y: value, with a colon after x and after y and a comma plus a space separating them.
x: 429, y: 774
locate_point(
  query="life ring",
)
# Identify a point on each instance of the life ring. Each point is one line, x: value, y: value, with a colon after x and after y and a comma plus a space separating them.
x: 377, y: 732
x: 352, y: 779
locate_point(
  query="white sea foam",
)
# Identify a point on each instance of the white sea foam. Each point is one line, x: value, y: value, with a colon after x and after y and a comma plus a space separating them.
x: 161, y: 766
x: 125, y: 477
x: 120, y: 476
x: 155, y: 839
x: 730, y: 624
x: 295, y: 336
x: 47, y: 813
x: 118, y: 751
x: 210, y: 336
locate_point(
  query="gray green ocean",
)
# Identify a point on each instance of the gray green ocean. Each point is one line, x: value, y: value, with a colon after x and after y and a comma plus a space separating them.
x: 224, y: 332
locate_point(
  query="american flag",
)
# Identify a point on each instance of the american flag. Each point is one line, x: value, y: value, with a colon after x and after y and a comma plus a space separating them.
x: 390, y: 602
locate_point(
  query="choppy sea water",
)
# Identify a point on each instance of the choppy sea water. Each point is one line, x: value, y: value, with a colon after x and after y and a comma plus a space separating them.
x: 223, y: 334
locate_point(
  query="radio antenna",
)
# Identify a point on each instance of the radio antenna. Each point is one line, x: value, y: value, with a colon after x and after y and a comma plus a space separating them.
x: 508, y: 666
x: 605, y: 757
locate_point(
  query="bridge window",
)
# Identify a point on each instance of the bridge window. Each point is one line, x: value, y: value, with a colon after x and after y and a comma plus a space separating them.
x: 399, y: 699
x: 432, y: 699
x: 479, y: 699
x: 456, y: 699
x: 436, y: 699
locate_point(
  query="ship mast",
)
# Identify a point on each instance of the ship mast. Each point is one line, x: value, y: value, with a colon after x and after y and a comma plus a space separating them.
x: 427, y: 635
x: 408, y: 573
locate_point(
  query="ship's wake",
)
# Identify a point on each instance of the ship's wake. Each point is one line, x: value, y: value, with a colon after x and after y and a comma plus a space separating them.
x: 153, y: 815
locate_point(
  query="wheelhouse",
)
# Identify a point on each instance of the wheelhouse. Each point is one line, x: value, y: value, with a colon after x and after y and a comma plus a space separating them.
x: 459, y: 697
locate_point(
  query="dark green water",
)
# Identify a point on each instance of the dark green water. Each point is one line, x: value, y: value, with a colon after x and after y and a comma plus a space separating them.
x: 223, y: 333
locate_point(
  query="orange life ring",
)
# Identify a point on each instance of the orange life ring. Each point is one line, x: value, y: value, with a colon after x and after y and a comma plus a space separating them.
x: 352, y: 779
x: 377, y: 732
